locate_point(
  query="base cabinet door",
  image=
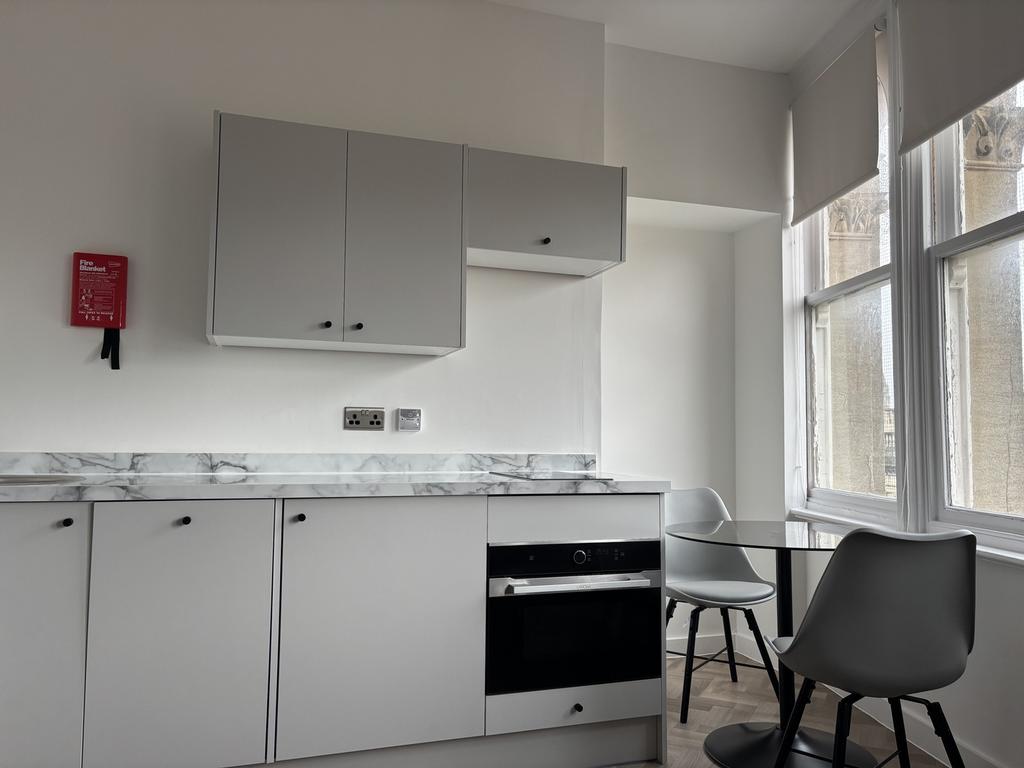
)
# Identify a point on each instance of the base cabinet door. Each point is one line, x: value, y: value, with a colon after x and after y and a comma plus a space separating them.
x: 383, y: 604
x: 179, y: 634
x: 44, y: 575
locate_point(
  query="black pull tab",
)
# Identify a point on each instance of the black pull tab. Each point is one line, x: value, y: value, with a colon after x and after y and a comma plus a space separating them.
x: 112, y: 347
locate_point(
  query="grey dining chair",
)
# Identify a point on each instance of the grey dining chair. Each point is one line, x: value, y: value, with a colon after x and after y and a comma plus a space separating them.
x: 711, y: 576
x: 892, y: 616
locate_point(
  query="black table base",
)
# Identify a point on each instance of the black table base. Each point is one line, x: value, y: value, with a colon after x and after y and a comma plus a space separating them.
x: 754, y: 745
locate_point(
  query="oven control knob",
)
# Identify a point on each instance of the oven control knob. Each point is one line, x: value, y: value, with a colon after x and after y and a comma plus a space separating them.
x: 579, y: 557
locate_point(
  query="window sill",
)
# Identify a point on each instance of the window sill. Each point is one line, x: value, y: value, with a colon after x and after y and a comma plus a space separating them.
x: 846, y: 523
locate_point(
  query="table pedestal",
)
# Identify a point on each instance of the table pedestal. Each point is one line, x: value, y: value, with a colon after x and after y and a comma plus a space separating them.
x: 755, y: 745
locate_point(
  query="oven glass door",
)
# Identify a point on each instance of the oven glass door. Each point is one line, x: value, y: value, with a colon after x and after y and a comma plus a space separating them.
x: 561, y: 640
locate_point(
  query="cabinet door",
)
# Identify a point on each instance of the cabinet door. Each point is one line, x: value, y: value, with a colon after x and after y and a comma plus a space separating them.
x: 383, y: 603
x: 179, y: 634
x: 44, y: 571
x: 515, y: 202
x: 404, y: 254
x: 280, y: 238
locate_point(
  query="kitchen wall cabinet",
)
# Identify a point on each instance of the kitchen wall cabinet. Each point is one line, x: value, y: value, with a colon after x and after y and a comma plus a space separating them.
x: 179, y: 634
x: 383, y: 607
x: 44, y: 576
x: 404, y: 255
x: 279, y: 261
x: 329, y: 239
x: 544, y: 215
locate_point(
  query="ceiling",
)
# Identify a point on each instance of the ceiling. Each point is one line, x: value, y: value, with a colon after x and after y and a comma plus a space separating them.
x: 770, y: 35
x: 672, y: 215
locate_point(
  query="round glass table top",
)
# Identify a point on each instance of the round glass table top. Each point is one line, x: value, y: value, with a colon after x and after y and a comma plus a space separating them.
x: 758, y: 534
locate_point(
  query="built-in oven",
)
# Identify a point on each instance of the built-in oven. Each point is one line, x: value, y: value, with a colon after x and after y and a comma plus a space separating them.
x: 566, y: 615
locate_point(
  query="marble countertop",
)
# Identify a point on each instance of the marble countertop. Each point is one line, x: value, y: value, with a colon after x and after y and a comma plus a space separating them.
x: 125, y: 486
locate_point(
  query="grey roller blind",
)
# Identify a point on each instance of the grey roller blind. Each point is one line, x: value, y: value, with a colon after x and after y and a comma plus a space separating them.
x: 835, y: 129
x: 955, y: 56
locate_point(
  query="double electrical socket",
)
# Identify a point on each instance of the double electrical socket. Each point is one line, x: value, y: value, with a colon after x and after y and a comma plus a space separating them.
x: 372, y: 419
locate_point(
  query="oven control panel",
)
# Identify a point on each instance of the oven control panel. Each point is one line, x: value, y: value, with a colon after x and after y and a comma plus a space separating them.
x: 577, y: 557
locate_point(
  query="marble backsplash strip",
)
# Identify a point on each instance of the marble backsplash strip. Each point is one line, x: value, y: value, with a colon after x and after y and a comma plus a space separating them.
x: 286, y: 463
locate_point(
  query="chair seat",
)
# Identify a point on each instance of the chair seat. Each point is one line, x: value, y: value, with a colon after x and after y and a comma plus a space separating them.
x: 720, y: 593
x: 780, y: 644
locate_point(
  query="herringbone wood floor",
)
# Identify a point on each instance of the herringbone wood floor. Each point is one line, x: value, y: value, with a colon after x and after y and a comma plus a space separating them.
x: 717, y: 701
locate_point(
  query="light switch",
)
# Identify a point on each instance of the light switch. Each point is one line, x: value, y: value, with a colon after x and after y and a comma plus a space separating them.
x: 409, y: 419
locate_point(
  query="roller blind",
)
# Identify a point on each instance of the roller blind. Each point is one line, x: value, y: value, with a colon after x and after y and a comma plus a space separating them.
x: 835, y: 129
x: 955, y: 56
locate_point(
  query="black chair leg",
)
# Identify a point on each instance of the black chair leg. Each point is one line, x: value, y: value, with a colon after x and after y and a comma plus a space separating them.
x: 670, y: 611
x: 727, y: 626
x: 843, y: 717
x: 691, y: 649
x: 762, y: 649
x: 943, y: 731
x: 793, y: 724
x: 900, y: 731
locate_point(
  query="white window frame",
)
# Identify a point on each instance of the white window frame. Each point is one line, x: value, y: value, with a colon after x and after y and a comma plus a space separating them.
x: 823, y: 503
x: 924, y: 216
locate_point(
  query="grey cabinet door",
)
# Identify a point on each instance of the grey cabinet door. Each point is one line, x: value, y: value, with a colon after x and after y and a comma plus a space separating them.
x: 515, y: 202
x: 404, y: 251
x: 179, y: 634
x: 383, y: 604
x: 44, y: 573
x: 280, y: 235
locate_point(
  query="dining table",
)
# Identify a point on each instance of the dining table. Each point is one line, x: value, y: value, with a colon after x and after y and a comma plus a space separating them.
x: 755, y: 744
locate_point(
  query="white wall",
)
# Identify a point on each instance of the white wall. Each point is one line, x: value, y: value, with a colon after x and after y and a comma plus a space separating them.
x: 695, y: 131
x: 667, y: 367
x: 667, y: 352
x: 105, y: 145
x: 760, y: 404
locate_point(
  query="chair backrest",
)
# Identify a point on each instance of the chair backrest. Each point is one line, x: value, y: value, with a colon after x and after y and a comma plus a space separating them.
x: 692, y: 560
x: 892, y: 615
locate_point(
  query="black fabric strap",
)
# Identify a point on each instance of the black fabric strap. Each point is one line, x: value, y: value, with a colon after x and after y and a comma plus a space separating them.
x: 112, y: 347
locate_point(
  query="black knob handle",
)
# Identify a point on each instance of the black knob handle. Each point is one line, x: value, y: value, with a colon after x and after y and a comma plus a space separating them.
x: 577, y: 707
x: 546, y: 240
x: 186, y: 520
x: 358, y: 326
x: 67, y: 522
x: 300, y: 518
x: 326, y: 324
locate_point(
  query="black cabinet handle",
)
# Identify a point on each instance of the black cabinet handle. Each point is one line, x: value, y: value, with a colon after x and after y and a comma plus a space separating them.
x: 577, y: 707
x: 546, y: 240
x: 358, y: 326
x: 186, y: 520
x: 326, y: 324
x: 300, y: 518
x: 67, y: 522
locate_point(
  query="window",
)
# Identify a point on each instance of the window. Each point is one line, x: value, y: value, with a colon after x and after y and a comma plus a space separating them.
x: 950, y: 450
x: 851, y: 438
x: 977, y: 193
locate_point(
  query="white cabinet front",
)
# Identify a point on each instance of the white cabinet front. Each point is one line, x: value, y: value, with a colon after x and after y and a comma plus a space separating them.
x: 383, y: 608
x: 44, y: 576
x: 179, y: 634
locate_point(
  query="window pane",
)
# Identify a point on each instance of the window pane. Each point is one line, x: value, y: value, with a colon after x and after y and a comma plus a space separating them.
x: 985, y: 377
x: 853, y: 440
x: 858, y: 223
x: 990, y: 178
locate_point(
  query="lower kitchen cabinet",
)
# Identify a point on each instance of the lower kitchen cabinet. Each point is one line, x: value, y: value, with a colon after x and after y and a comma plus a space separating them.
x: 179, y: 634
x: 383, y: 605
x: 44, y: 573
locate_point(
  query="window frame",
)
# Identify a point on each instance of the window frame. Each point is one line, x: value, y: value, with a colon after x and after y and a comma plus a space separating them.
x: 925, y: 211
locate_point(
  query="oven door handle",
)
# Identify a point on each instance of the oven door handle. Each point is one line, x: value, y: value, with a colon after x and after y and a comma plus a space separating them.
x: 560, y: 584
